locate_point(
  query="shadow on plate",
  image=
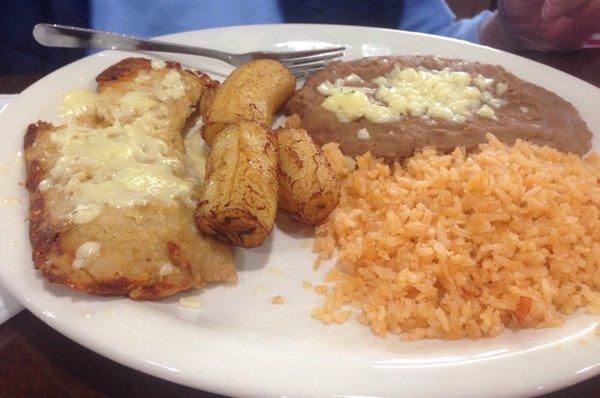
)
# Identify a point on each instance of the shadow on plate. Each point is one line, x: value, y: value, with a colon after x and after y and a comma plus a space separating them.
x: 286, y: 224
x: 253, y: 259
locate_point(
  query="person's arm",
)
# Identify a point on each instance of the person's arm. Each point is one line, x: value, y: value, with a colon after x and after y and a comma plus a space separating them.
x: 466, y: 29
x: 544, y: 25
x: 435, y: 17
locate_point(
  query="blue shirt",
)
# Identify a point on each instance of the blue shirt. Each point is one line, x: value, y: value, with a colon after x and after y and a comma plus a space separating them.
x: 158, y: 17
x: 147, y: 18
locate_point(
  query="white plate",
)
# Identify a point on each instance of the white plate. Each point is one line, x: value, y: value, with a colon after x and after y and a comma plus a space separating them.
x: 238, y: 343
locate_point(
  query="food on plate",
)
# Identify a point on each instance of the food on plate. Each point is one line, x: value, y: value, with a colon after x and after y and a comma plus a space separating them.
x: 341, y: 165
x: 254, y: 91
x: 308, y: 187
x: 239, y: 200
x: 464, y: 245
x: 472, y: 233
x: 394, y: 106
x: 208, y: 98
x: 111, y: 204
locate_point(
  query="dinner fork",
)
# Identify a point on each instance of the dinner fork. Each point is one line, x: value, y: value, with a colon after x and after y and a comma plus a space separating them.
x: 300, y: 63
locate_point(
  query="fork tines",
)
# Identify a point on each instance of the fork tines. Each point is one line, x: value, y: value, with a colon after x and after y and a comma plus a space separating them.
x: 303, y: 63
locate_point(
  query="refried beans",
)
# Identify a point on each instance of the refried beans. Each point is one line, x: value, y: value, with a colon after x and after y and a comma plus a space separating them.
x: 528, y: 112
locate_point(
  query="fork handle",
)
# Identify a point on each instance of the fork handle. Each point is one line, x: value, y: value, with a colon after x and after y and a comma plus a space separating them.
x: 51, y: 35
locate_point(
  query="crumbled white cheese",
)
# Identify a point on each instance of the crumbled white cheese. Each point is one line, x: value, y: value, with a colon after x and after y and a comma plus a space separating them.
x: 486, y: 111
x: 440, y: 112
x: 438, y: 94
x: 486, y: 96
x: 501, y: 88
x: 354, y: 105
x: 482, y: 82
x: 339, y: 87
x: 363, y: 134
x: 85, y: 253
x: 165, y: 269
x: 190, y: 302
x: 158, y: 64
x: 353, y: 78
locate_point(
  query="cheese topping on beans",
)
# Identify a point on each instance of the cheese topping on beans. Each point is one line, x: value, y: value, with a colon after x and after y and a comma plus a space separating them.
x: 420, y: 92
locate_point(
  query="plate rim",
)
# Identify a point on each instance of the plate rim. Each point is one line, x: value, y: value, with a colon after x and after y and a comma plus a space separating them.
x: 207, y: 384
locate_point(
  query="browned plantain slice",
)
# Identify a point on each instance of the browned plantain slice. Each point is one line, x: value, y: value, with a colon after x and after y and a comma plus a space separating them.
x: 239, y: 201
x: 254, y: 91
x: 308, y: 187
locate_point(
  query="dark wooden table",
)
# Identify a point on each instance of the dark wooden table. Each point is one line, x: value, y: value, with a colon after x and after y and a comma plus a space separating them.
x: 37, y: 361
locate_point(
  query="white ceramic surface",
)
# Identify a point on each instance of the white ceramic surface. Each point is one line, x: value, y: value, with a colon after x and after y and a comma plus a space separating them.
x: 237, y: 342
x: 9, y: 306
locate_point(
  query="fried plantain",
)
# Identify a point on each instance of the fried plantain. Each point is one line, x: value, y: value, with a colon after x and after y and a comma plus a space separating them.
x: 254, y: 91
x: 308, y: 187
x: 239, y: 201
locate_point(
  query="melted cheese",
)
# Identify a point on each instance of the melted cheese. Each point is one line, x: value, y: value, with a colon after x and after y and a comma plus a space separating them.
x: 171, y: 86
x: 196, y: 151
x: 124, y: 164
x: 134, y: 104
x: 86, y: 253
x: 165, y: 269
x: 158, y: 64
x: 118, y: 166
x: 421, y: 92
x: 78, y: 103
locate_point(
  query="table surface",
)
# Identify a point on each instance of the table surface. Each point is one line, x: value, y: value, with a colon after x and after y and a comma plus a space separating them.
x: 35, y: 360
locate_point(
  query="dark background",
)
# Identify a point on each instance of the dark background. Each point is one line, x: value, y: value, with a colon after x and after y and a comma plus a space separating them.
x: 35, y: 360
